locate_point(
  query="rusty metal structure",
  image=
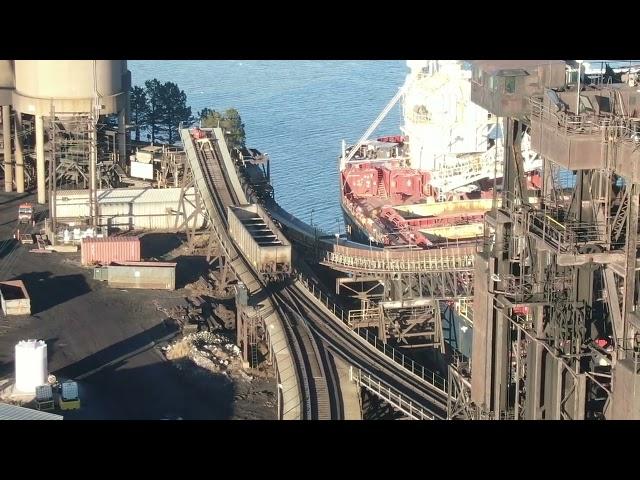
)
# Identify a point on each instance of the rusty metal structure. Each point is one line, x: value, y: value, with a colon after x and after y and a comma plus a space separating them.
x: 556, y: 325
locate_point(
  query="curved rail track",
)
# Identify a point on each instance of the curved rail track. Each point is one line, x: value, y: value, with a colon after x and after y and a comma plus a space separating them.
x: 312, y: 332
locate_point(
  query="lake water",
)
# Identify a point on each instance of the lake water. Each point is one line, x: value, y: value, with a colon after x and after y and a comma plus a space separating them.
x: 296, y: 111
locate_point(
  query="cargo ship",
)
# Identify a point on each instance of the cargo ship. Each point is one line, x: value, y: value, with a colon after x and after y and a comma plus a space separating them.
x: 432, y: 183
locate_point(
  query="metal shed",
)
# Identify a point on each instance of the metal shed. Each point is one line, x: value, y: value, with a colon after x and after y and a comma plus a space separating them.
x: 13, y: 412
x: 138, y: 208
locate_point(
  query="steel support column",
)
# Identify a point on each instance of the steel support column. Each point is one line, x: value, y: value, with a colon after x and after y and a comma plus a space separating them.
x: 41, y: 173
x: 6, y: 136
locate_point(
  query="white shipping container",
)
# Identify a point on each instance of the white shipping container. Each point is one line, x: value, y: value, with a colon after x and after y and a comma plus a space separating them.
x: 142, y: 170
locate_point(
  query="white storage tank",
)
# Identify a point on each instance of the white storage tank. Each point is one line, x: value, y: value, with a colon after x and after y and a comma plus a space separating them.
x: 31, y: 365
x: 69, y: 85
x: 6, y: 82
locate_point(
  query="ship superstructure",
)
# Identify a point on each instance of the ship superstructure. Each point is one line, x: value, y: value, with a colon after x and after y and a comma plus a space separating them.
x: 432, y: 183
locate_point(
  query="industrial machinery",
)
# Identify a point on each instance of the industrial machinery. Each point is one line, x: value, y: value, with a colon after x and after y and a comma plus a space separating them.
x: 25, y: 213
x: 26, y: 223
x: 69, y: 398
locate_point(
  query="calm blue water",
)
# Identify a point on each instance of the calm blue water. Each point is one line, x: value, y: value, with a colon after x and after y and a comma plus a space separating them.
x: 297, y: 112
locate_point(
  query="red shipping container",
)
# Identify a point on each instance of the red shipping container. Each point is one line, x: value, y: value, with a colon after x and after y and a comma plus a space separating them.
x: 363, y: 182
x: 110, y: 249
x: 403, y: 181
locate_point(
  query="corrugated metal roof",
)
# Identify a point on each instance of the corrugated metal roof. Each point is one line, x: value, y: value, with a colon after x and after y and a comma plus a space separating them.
x: 13, y: 412
x: 127, y: 195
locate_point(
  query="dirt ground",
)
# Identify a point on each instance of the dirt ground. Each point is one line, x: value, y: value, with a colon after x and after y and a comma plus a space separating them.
x: 111, y: 340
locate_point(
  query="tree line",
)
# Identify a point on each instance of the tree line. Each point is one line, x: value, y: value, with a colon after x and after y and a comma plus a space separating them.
x: 159, y: 108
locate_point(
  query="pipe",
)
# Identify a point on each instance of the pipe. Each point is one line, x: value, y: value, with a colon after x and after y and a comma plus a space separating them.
x: 19, y: 156
x: 6, y: 134
x: 40, y: 171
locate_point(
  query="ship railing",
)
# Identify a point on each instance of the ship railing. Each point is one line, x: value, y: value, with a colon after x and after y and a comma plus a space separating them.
x: 565, y: 236
x: 464, y: 308
x: 480, y: 413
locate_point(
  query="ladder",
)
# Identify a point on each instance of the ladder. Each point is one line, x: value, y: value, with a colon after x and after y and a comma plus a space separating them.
x: 382, y: 192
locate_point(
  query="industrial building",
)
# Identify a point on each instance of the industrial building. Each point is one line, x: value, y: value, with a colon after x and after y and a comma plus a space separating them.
x: 556, y: 330
x: 53, y: 115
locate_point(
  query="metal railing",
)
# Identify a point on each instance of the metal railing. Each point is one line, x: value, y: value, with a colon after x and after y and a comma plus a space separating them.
x: 405, y: 362
x: 464, y: 308
x: 325, y: 300
x: 409, y: 262
x: 624, y: 127
x: 389, y: 395
x: 630, y: 347
x: 482, y: 414
x: 429, y: 377
x: 368, y: 315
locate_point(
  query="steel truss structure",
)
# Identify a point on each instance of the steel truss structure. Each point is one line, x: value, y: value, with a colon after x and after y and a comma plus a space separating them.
x: 556, y: 330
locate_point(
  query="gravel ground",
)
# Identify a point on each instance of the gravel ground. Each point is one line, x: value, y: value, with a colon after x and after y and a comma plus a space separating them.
x: 110, y: 338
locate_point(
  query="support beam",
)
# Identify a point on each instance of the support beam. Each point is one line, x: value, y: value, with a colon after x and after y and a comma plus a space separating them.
x: 40, y: 170
x: 19, y: 155
x: 6, y: 135
x: 631, y: 254
x: 122, y: 136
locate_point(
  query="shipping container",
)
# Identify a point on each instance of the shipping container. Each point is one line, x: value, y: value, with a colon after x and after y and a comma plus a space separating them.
x: 147, y: 275
x: 261, y: 242
x: 403, y: 182
x: 110, y: 249
x: 362, y: 182
x: 15, y: 299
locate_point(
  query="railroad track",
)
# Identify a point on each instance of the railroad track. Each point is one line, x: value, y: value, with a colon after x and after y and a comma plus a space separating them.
x: 313, y: 387
x: 312, y: 334
x: 318, y: 372
x: 351, y: 348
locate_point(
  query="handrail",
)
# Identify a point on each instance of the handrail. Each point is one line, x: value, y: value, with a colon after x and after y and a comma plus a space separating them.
x: 625, y: 127
x: 408, y: 363
x: 411, y: 263
x: 405, y: 362
x: 392, y: 397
